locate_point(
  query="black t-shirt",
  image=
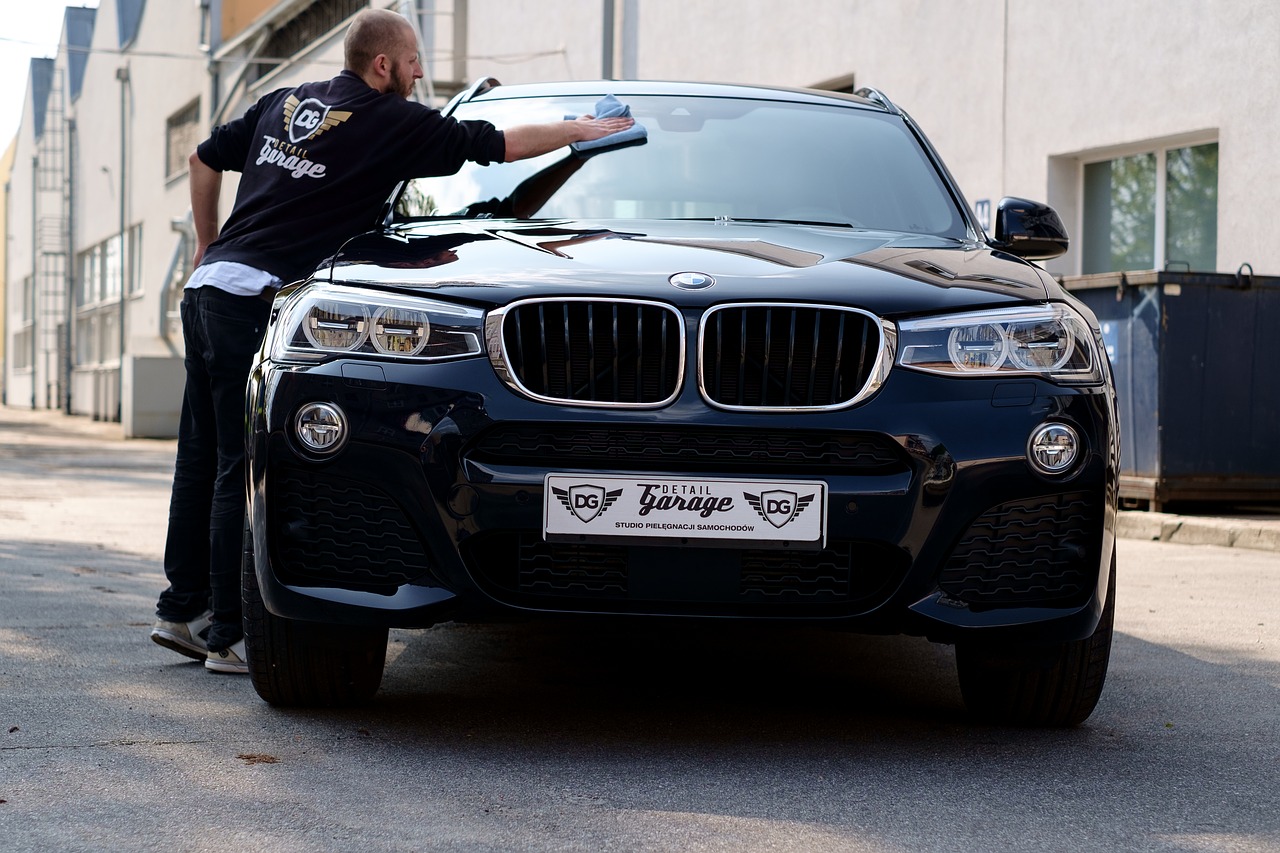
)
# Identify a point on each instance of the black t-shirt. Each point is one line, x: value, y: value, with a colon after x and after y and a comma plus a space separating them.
x: 319, y: 160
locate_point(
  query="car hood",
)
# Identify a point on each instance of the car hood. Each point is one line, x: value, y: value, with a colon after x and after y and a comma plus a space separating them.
x: 493, y: 262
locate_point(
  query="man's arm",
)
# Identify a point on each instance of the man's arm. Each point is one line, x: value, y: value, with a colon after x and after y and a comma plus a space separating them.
x: 206, y: 187
x: 531, y: 140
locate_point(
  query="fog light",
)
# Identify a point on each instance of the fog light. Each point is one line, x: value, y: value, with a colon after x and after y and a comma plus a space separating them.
x: 1053, y: 448
x: 321, y: 427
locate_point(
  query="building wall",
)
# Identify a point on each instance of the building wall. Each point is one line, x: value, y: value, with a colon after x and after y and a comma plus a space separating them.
x: 158, y: 87
x: 19, y: 379
x: 940, y: 60
x: 1093, y: 75
x: 1015, y: 94
x: 6, y: 168
x: 165, y: 73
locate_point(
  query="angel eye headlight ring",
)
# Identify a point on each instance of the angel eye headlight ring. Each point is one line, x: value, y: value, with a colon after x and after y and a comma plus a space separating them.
x: 400, y: 331
x: 1043, y: 346
x: 981, y: 347
x: 333, y: 325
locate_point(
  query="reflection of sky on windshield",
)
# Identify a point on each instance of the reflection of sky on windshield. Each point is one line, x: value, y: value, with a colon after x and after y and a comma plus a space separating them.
x: 456, y: 194
x: 481, y: 183
x: 710, y: 157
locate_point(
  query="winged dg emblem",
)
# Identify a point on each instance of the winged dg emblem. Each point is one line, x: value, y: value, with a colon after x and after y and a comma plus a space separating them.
x: 586, y: 501
x: 308, y: 119
x: 778, y: 507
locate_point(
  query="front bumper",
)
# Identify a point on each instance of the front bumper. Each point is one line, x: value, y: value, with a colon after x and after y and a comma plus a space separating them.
x: 433, y: 509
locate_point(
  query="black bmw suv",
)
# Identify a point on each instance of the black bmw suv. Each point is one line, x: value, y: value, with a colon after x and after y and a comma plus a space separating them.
x: 761, y: 364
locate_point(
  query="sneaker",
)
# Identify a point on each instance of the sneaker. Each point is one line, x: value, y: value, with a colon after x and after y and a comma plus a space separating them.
x: 185, y: 638
x: 228, y: 660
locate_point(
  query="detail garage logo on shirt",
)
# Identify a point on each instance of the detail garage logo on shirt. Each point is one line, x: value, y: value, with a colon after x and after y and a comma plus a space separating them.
x: 308, y: 119
x: 303, y: 120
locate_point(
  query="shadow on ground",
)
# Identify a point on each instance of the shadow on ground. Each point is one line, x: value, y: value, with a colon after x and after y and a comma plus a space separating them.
x: 568, y: 736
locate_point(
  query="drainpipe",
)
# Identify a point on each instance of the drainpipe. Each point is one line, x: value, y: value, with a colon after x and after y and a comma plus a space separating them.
x: 630, y: 39
x: 35, y: 280
x: 461, y: 24
x: 68, y: 357
x: 606, y: 40
x: 209, y: 38
x: 122, y: 74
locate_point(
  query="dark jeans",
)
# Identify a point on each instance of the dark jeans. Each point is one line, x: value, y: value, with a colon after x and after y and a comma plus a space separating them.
x: 207, y: 508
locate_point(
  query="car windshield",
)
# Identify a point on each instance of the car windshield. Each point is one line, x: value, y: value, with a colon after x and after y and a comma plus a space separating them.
x: 707, y: 158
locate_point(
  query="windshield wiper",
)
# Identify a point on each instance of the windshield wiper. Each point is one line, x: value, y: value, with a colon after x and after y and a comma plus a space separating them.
x: 763, y: 221
x: 794, y: 222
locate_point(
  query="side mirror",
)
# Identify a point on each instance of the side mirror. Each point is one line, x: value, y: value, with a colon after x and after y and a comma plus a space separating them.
x: 1029, y: 230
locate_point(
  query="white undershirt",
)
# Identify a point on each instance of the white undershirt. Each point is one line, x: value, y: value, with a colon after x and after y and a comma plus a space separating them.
x: 236, y: 278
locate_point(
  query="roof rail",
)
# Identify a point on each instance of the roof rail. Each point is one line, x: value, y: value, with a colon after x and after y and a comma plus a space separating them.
x: 474, y: 90
x: 879, y: 97
x: 479, y: 87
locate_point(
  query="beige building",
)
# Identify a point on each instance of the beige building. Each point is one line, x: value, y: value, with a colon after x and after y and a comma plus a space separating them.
x: 1148, y: 124
x: 6, y: 169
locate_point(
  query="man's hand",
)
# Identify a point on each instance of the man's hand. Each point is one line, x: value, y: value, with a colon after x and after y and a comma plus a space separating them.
x: 595, y: 128
x: 532, y: 140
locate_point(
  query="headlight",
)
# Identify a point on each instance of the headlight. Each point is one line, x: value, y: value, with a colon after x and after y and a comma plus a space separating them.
x: 401, y: 331
x: 322, y: 321
x: 335, y: 326
x: 1052, y: 341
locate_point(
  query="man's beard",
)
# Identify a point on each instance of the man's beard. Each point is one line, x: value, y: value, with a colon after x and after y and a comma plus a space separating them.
x: 399, y: 85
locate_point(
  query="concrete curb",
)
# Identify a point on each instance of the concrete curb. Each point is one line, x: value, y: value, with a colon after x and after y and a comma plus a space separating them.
x: 1260, y: 534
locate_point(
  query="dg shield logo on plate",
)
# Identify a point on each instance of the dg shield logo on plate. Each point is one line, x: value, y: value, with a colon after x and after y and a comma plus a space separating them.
x: 586, y: 500
x: 692, y: 280
x: 777, y: 507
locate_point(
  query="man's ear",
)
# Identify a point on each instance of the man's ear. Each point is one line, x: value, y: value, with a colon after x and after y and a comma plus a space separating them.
x: 381, y: 66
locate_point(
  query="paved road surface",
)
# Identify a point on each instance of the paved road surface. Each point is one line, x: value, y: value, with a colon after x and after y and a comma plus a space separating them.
x: 546, y: 738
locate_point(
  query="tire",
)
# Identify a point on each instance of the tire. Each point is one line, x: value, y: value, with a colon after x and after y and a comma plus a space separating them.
x: 1051, y: 686
x: 307, y: 664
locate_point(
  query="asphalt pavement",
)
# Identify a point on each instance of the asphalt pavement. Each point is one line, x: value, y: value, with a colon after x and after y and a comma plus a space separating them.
x: 541, y: 737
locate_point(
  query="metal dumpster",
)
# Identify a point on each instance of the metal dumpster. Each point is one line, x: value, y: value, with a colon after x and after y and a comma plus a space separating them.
x: 1197, y: 364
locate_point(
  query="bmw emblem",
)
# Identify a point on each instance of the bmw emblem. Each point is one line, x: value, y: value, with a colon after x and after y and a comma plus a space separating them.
x: 692, y: 280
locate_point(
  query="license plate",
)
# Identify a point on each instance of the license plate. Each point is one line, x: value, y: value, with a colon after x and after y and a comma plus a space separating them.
x: 674, y: 510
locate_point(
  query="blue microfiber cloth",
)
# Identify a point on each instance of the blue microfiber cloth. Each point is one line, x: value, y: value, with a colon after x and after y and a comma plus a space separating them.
x: 611, y: 107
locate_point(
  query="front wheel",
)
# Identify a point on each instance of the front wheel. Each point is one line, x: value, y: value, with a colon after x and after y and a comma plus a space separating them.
x: 1052, y: 686
x: 307, y: 664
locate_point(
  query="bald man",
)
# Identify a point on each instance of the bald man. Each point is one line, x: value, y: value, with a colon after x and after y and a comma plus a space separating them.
x: 317, y: 161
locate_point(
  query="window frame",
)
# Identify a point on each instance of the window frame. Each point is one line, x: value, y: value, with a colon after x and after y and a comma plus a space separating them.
x: 95, y: 330
x: 1160, y: 148
x: 178, y: 159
